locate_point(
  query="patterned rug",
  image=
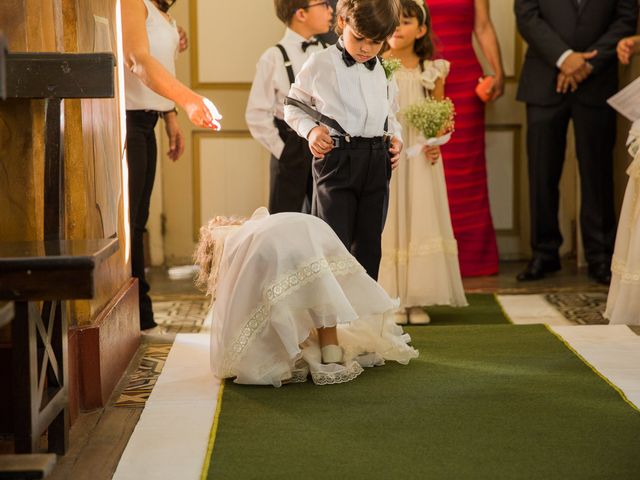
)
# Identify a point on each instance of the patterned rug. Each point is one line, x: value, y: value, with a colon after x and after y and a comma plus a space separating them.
x: 183, y: 314
x: 174, y: 314
x: 581, y: 308
x: 142, y: 381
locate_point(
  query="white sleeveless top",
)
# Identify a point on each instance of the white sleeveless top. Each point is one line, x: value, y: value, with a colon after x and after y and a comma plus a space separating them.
x: 163, y: 46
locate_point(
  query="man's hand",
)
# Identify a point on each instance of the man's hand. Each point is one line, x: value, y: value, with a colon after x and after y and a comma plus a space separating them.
x: 320, y: 142
x: 176, y: 139
x: 184, y: 40
x: 432, y: 153
x: 394, y: 150
x: 576, y: 65
x: 566, y: 83
x: 626, y: 48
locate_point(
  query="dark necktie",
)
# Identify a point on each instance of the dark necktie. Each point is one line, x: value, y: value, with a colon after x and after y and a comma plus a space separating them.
x: 306, y: 44
x: 349, y: 60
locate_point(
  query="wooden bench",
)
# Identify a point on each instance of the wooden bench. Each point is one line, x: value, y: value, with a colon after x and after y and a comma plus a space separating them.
x: 39, y: 276
x: 47, y: 272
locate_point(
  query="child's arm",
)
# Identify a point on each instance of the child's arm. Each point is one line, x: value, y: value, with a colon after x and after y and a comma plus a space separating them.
x: 438, y: 91
x: 300, y: 90
x: 262, y: 104
x: 395, y: 130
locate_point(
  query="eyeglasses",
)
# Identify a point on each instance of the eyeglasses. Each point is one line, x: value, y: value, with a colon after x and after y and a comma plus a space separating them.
x: 325, y: 3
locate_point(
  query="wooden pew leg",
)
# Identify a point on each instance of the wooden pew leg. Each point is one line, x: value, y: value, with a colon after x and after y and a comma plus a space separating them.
x: 24, y: 366
x: 59, y: 428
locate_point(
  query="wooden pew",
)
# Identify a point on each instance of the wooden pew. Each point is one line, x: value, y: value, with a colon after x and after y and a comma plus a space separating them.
x: 39, y: 276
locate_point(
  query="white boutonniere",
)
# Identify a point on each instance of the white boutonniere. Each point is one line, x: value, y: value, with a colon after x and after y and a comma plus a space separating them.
x: 390, y: 66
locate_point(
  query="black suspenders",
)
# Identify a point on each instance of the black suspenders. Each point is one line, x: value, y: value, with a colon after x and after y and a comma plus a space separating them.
x: 287, y: 63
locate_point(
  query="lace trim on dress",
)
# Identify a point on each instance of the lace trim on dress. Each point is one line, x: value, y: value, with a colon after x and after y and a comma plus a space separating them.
x: 619, y: 268
x: 331, y: 378
x: 285, y: 285
x: 434, y: 245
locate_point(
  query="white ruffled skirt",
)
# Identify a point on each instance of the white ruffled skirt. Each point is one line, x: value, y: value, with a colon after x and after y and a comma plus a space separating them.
x: 623, y: 302
x: 282, y: 277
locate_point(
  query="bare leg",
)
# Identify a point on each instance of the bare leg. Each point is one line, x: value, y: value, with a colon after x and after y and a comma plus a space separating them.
x: 328, y: 336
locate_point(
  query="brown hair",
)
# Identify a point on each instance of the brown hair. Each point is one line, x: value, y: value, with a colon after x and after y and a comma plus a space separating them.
x: 209, y: 251
x: 423, y: 47
x: 285, y: 9
x: 373, y: 19
x: 164, y: 5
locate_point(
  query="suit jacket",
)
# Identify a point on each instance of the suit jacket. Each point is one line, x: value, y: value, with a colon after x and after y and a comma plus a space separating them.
x: 551, y: 27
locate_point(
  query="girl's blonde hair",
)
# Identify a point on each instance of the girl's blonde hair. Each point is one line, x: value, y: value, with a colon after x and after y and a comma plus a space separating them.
x: 209, y: 251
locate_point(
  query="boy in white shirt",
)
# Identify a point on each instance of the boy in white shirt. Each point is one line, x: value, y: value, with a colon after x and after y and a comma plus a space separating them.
x: 351, y: 126
x: 291, y: 184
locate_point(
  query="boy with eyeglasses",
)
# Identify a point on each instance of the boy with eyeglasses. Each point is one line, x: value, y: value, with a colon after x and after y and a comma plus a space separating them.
x: 290, y: 170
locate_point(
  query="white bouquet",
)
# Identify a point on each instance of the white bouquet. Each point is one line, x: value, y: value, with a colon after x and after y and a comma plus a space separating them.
x: 433, y: 119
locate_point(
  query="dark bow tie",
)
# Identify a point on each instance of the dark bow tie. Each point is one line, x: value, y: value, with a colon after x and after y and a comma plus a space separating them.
x: 306, y: 44
x: 349, y: 60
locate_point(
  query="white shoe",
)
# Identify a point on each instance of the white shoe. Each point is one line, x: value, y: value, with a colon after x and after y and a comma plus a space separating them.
x: 400, y: 317
x: 331, y: 354
x: 417, y: 316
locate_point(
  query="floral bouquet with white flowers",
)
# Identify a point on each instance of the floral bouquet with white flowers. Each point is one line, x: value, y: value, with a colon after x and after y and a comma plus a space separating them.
x: 390, y: 65
x: 433, y: 119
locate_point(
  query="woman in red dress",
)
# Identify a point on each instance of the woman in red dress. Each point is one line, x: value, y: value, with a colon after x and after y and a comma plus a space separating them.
x: 455, y: 22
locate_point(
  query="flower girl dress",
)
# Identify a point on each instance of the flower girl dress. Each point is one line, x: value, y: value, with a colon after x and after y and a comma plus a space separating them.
x: 281, y: 277
x: 419, y: 253
x: 623, y: 303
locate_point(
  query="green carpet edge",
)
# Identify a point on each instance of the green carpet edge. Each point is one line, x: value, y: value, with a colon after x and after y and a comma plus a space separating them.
x: 504, y: 312
x: 592, y: 368
x: 212, y: 434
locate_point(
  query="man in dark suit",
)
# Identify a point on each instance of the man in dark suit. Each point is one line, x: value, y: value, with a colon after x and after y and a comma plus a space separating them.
x: 569, y: 71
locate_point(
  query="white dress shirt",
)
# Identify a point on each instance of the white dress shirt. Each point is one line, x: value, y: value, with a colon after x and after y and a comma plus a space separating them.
x: 270, y: 86
x: 359, y: 99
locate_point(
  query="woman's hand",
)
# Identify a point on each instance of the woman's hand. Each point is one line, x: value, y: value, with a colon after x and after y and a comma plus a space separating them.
x: 394, y: 150
x: 497, y: 88
x: 320, y: 142
x: 201, y: 114
x: 184, y: 40
x: 626, y: 48
x: 432, y: 153
x: 176, y: 139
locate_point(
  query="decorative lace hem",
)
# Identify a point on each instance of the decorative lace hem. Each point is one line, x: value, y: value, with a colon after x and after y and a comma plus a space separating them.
x: 349, y: 373
x: 435, y: 245
x: 285, y: 285
x: 297, y: 376
x: 619, y: 268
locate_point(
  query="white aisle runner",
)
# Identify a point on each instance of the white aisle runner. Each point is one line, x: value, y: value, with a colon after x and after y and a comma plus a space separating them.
x: 171, y: 438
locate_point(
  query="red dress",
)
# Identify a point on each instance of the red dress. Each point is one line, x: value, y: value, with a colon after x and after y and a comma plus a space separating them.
x: 464, y: 156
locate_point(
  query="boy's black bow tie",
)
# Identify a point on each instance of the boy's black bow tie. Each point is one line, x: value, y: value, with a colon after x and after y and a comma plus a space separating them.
x: 306, y: 44
x: 349, y: 60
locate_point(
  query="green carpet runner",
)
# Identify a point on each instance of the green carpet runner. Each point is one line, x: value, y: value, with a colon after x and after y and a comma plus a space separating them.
x: 481, y: 402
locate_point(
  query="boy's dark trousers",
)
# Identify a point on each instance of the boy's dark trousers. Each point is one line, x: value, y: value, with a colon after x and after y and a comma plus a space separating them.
x: 291, y: 183
x: 351, y: 192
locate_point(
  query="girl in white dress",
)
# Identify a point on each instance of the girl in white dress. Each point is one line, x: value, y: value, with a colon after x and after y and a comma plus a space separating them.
x: 419, y: 253
x: 290, y: 301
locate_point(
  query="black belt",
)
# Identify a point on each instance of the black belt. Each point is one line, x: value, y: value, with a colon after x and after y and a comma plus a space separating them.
x: 374, y: 143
